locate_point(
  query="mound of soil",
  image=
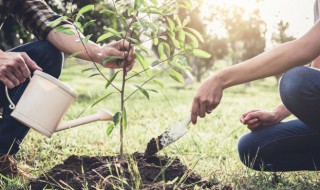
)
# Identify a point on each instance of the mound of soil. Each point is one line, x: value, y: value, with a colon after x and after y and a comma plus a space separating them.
x: 132, y: 172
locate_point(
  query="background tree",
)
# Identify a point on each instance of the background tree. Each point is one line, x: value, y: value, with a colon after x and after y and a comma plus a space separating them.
x: 246, y: 32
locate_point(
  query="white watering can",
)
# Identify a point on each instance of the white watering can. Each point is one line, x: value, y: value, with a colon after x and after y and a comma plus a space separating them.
x: 45, y: 101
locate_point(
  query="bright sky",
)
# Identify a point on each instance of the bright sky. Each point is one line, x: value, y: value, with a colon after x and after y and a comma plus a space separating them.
x: 299, y: 13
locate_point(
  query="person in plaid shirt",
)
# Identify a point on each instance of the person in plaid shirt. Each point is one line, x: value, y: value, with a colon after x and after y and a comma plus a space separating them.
x: 16, y: 65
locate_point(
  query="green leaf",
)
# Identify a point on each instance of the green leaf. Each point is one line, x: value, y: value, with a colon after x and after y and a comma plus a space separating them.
x: 111, y: 79
x: 143, y: 91
x: 84, y: 9
x: 161, y: 51
x: 171, y: 24
x: 105, y: 36
x: 110, y: 59
x: 88, y: 69
x: 73, y: 55
x: 87, y: 38
x: 186, y: 21
x: 152, y: 26
x: 145, y: 3
x: 144, y: 49
x: 143, y: 62
x: 57, y: 21
x: 64, y: 29
x: 196, y: 33
x: 95, y: 74
x: 116, y: 118
x: 106, y: 11
x: 155, y: 41
x: 178, y: 21
x: 124, y: 118
x: 200, y: 53
x: 100, y: 99
x: 110, y: 129
x: 155, y: 63
x: 113, y: 31
x: 160, y: 84
x: 144, y: 26
x: 194, y: 40
x: 167, y: 49
x: 176, y: 76
x: 130, y: 11
x: 174, y: 41
x: 155, y: 2
x: 78, y: 25
x: 137, y: 4
x: 134, y: 41
x: 88, y: 23
x: 153, y: 90
x: 181, y: 35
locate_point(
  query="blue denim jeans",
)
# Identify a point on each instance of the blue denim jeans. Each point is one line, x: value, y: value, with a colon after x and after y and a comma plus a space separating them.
x: 50, y: 60
x: 293, y: 145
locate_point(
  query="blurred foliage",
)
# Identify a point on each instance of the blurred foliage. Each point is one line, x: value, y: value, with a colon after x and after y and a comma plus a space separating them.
x: 245, y: 31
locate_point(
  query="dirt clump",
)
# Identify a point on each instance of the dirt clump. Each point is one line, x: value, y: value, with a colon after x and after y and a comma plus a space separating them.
x: 111, y: 172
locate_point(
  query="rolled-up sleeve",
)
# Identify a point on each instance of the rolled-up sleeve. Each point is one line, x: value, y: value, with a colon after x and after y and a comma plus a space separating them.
x: 36, y: 16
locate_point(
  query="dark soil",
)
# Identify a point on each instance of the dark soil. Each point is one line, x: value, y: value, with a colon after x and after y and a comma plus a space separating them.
x: 153, y: 146
x: 109, y: 172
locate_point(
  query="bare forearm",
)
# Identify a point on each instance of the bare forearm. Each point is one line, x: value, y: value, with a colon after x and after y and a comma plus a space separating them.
x: 275, y: 61
x: 316, y: 63
x: 70, y: 44
x: 281, y: 112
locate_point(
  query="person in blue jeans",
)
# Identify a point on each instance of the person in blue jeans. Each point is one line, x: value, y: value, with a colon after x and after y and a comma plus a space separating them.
x: 273, y: 145
x: 18, y: 64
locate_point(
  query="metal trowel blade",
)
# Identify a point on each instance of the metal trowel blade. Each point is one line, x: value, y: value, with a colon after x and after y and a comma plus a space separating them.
x: 170, y: 136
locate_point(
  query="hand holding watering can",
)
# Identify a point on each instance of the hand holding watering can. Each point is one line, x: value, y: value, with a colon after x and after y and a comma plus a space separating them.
x: 45, y: 101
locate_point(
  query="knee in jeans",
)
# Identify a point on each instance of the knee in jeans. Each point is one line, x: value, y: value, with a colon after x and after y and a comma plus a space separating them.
x: 249, y: 152
x: 292, y: 84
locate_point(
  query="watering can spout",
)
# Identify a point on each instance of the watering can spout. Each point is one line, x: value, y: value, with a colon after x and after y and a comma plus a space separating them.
x: 101, y: 115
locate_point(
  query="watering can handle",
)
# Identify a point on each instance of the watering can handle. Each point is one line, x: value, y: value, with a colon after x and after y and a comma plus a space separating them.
x: 11, y: 106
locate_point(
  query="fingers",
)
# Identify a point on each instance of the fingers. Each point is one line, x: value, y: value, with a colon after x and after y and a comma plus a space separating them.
x: 125, y: 51
x: 254, y: 126
x: 251, y: 116
x: 123, y: 45
x: 194, y: 110
x: 30, y: 63
x: 7, y: 82
x: 246, y: 113
x: 14, y: 68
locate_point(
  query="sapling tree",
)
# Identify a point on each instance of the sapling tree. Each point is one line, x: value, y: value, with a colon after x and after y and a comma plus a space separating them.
x: 143, y: 22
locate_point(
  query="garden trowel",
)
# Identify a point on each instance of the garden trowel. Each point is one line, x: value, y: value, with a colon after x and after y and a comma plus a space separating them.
x: 171, y: 135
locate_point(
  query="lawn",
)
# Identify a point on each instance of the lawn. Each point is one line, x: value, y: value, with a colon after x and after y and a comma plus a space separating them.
x: 209, y: 148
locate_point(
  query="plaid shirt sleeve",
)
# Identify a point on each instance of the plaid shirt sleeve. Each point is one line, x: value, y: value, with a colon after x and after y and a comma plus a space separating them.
x: 35, y: 16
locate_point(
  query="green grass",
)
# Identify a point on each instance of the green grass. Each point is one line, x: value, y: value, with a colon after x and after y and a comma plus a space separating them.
x: 210, y: 147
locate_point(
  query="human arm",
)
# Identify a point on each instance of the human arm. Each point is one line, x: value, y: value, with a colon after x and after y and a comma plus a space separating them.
x: 91, y: 51
x: 36, y: 16
x: 14, y: 68
x: 260, y: 118
x: 272, y: 62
